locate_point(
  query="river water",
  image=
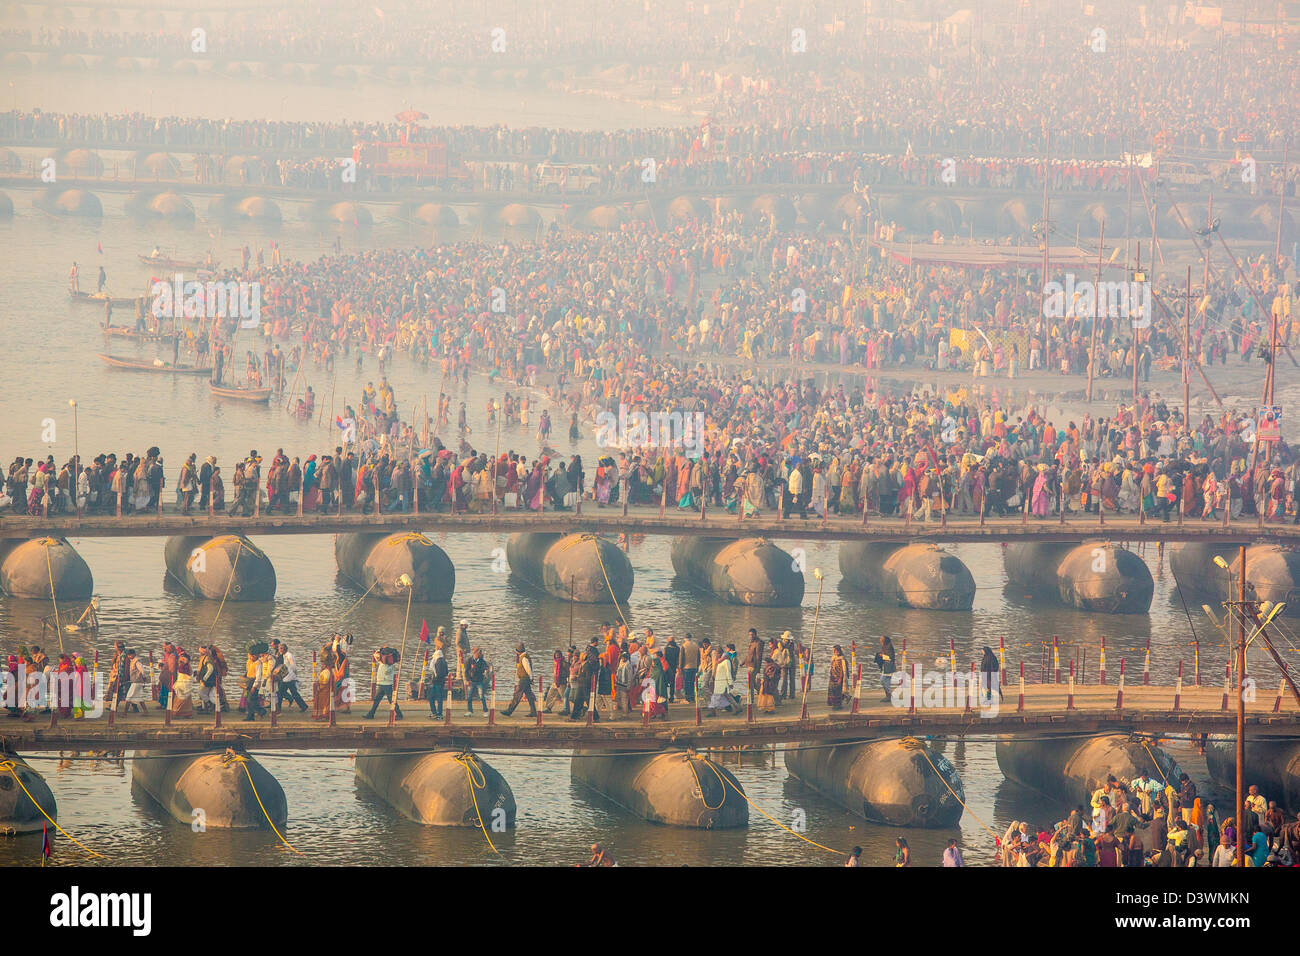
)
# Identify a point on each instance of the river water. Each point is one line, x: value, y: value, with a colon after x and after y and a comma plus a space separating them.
x: 51, y: 348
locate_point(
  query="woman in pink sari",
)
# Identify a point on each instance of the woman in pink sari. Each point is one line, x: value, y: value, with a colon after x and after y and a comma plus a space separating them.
x: 1040, y: 502
x: 533, y: 487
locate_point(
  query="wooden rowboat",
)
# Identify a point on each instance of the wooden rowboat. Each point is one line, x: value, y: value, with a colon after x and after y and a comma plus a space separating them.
x: 129, y: 332
x: 167, y: 262
x: 99, y: 298
x: 258, y: 396
x: 135, y: 366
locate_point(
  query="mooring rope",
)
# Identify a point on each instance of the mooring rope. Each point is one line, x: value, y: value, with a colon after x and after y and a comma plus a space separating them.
x: 605, y: 574
x: 690, y: 762
x: 9, y: 766
x: 468, y: 761
x: 1156, y: 762
x: 963, y: 803
x: 727, y: 783
x: 239, y: 549
x: 49, y: 568
x: 240, y: 759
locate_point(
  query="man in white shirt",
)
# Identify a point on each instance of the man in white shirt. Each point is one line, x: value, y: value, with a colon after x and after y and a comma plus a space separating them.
x: 385, y: 673
x: 288, y: 689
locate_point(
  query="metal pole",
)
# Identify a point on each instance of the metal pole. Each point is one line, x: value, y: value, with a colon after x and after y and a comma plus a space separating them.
x: 1187, y: 346
x: 496, y: 454
x: 1092, y: 344
x: 1281, y: 205
x: 1241, y: 713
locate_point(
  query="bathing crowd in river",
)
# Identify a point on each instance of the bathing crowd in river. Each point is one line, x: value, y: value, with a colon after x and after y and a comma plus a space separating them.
x: 1157, y: 822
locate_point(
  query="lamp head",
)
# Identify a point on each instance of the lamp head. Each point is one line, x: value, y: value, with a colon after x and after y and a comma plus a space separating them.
x: 817, y: 573
x: 72, y: 403
x: 1218, y: 559
x: 404, y: 581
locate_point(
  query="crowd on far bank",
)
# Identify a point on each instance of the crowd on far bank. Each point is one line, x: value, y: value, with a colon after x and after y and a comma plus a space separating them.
x: 951, y: 89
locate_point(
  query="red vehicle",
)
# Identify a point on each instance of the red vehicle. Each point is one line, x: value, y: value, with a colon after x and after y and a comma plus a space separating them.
x: 418, y: 164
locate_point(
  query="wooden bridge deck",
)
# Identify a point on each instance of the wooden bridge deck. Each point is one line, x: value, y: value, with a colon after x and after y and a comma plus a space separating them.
x: 1148, y: 710
x: 646, y: 520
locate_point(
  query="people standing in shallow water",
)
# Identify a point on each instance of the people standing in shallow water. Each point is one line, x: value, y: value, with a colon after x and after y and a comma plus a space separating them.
x: 902, y: 853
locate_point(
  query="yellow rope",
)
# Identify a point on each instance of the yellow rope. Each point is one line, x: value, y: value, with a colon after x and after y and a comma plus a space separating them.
x: 378, y: 578
x: 239, y: 549
x: 605, y: 574
x: 243, y: 762
x: 9, y: 766
x: 727, y: 783
x: 954, y: 793
x: 1156, y: 762
x: 58, y: 628
x: 690, y: 762
x: 467, y: 761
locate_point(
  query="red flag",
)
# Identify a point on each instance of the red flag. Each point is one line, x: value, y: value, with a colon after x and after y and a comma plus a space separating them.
x: 424, y: 631
x: 100, y: 247
x: 45, y: 842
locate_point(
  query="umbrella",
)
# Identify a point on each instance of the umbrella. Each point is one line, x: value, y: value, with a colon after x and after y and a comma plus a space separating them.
x: 411, y: 116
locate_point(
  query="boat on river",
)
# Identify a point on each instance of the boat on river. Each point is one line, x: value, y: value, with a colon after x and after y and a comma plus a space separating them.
x: 157, y: 365
x: 131, y: 333
x: 167, y: 262
x: 99, y: 298
x: 256, y: 396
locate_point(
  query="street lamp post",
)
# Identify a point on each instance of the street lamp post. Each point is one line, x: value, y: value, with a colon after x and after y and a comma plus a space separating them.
x: 1243, y: 607
x: 812, y: 643
x: 496, y: 454
x: 403, y: 582
x: 1241, y: 712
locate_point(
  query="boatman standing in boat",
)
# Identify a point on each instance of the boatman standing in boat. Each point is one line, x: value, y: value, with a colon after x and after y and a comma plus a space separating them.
x: 103, y: 278
x: 72, y: 278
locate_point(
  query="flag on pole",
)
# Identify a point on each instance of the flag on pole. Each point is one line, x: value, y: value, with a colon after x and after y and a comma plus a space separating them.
x: 45, y: 842
x: 424, y: 631
x: 100, y: 247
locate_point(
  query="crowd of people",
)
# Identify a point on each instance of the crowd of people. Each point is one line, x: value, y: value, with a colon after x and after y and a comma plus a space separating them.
x: 690, y: 156
x: 995, y: 85
x: 790, y: 448
x: 675, y: 322
x: 1147, y: 821
x: 1155, y: 822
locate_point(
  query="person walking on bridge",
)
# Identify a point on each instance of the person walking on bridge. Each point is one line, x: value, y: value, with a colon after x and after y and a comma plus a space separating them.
x: 990, y: 667
x: 288, y: 688
x: 523, y: 682
x: 476, y: 680
x: 385, y: 674
x: 437, y: 690
x: 887, y: 661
